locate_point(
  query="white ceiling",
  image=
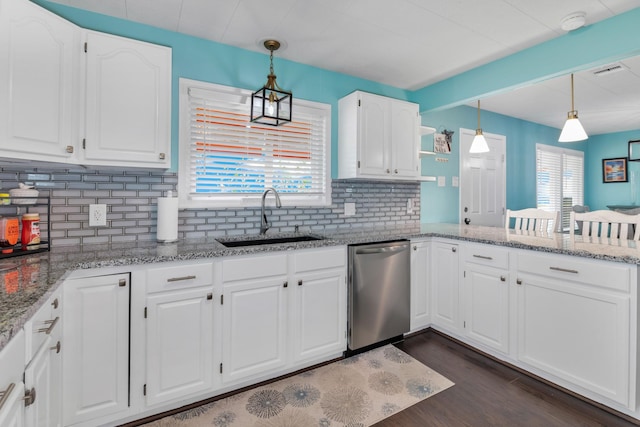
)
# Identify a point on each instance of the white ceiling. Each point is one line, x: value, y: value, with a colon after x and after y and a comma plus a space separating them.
x: 408, y: 43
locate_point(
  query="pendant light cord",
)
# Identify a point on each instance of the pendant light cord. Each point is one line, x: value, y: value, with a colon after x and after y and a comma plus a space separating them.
x: 572, y: 107
x: 478, y: 114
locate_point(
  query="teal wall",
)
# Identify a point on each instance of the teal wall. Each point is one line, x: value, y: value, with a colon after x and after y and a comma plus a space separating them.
x: 598, y: 194
x: 596, y: 44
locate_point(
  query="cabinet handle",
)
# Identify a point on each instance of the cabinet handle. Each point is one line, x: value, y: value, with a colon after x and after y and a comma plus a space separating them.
x: 178, y: 279
x: 395, y: 171
x: 503, y: 279
x: 564, y: 270
x: 209, y: 296
x: 519, y: 281
x: 56, y: 347
x: 122, y: 282
x: 454, y: 249
x: 285, y: 284
x: 161, y: 156
x: 51, y: 323
x: 55, y: 303
x: 4, y: 395
x: 300, y: 282
x: 483, y: 257
x: 388, y: 171
x: 29, y: 397
x: 69, y: 149
x: 415, y: 248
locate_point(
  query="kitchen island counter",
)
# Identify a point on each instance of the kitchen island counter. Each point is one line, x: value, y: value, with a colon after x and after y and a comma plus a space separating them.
x: 28, y: 281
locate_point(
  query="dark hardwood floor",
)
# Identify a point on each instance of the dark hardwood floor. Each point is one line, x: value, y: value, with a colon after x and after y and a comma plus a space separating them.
x: 487, y: 393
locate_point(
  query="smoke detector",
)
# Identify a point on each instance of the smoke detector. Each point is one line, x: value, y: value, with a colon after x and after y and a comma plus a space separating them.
x: 573, y: 21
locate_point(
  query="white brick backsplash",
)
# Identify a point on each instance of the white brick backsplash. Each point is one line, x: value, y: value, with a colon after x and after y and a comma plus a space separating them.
x: 132, y: 207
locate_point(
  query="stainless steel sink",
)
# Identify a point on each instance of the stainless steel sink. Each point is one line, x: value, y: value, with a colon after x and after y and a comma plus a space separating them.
x: 268, y: 240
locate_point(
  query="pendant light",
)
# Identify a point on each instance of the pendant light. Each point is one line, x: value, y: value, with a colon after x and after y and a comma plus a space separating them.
x: 271, y: 105
x: 479, y: 144
x: 572, y: 130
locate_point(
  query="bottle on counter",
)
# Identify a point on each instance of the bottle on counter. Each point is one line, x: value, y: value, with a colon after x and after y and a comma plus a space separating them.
x: 9, y: 233
x: 30, y: 231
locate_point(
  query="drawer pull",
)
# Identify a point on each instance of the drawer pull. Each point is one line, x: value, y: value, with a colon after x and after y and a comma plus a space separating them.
x: 519, y: 281
x: 503, y: 279
x: 454, y: 249
x: 56, y: 347
x: 122, y: 283
x: 285, y: 284
x: 564, y: 270
x: 483, y: 257
x: 209, y: 296
x: 29, y: 397
x: 4, y: 395
x: 55, y: 303
x: 300, y: 282
x: 178, y: 279
x: 51, y: 323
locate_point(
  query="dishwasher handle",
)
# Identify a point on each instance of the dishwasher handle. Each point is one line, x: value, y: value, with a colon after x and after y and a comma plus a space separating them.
x: 382, y: 249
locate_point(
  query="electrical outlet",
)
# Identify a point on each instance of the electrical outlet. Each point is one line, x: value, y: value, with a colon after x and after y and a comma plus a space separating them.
x: 97, y: 215
x: 409, y: 205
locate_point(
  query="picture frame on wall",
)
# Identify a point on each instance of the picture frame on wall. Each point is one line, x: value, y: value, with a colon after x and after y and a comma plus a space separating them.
x: 441, y: 143
x: 614, y: 170
x: 634, y: 150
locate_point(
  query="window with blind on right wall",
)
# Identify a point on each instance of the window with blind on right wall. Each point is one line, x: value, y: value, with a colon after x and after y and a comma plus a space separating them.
x: 559, y: 180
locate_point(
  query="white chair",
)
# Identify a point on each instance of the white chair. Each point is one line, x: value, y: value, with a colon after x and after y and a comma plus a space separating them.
x: 606, y: 223
x: 532, y: 219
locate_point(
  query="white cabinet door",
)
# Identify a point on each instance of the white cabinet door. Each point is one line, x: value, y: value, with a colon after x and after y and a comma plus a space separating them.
x: 179, y: 344
x: 378, y: 137
x: 420, y: 285
x: 96, y: 354
x: 444, y: 286
x: 38, y: 83
x: 575, y: 332
x: 128, y: 102
x: 404, y: 140
x: 485, y: 292
x: 38, y: 376
x: 254, y: 327
x: 373, y: 136
x: 12, y: 411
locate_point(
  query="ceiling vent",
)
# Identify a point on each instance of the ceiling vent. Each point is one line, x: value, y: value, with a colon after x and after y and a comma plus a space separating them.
x: 608, y: 69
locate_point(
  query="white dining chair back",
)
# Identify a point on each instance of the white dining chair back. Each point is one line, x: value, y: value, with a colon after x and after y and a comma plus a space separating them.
x: 606, y: 223
x: 532, y: 219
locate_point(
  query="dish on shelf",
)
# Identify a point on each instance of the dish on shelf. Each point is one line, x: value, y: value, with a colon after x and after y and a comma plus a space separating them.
x: 23, y: 196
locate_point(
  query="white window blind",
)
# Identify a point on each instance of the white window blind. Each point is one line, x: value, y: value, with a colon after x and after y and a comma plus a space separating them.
x: 230, y: 161
x: 559, y: 180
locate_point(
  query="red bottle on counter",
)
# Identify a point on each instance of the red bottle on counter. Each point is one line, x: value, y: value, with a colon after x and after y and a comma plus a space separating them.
x: 30, y: 231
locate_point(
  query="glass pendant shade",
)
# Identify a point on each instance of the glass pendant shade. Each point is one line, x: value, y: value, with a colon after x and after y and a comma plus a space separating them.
x: 572, y: 130
x: 271, y: 105
x: 479, y: 143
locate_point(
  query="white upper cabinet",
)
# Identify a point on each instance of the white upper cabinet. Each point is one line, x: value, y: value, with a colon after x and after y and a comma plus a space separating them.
x: 377, y: 138
x: 38, y: 83
x: 71, y: 95
x: 128, y: 102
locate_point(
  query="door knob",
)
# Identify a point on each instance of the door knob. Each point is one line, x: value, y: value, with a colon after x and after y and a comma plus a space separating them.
x: 467, y: 221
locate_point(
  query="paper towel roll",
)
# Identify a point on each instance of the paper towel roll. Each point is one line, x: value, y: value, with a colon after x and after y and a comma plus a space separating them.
x: 167, y: 219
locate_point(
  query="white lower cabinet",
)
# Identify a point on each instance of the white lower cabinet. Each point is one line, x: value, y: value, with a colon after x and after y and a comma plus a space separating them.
x: 420, y: 284
x: 43, y: 372
x: 12, y: 358
x: 96, y: 347
x: 179, y: 322
x: 574, y: 322
x: 284, y: 311
x: 445, y: 286
x: 485, y: 295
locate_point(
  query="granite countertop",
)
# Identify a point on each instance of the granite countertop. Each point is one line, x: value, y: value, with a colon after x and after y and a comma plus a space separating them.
x: 28, y: 281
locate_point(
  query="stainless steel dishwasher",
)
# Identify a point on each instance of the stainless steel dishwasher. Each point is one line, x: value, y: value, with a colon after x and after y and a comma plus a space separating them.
x: 379, y: 292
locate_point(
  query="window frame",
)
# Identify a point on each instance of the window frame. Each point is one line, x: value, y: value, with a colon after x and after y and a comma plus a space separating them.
x: 235, y: 200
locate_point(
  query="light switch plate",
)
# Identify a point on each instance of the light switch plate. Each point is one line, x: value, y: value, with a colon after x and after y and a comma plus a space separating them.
x: 97, y: 215
x: 349, y: 209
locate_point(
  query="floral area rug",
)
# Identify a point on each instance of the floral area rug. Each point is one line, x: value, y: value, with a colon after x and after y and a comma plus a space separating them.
x: 355, y: 392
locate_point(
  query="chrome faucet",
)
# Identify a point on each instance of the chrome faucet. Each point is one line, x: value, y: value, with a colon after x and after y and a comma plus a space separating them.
x: 264, y: 224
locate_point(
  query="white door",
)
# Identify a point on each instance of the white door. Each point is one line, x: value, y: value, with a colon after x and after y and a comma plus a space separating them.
x: 373, y: 136
x: 445, y: 282
x: 482, y: 181
x: 420, y: 298
x: 179, y: 344
x: 404, y: 139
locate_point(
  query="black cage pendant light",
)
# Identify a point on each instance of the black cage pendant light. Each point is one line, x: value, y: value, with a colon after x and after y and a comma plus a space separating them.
x: 271, y: 105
